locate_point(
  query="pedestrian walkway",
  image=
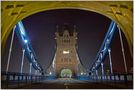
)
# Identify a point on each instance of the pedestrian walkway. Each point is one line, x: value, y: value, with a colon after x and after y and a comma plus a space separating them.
x: 70, y: 83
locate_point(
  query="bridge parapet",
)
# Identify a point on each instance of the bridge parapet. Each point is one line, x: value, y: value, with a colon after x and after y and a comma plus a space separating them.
x: 113, y: 78
x: 13, y: 79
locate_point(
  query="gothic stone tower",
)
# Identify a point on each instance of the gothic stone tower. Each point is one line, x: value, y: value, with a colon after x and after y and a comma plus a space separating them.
x: 66, y: 56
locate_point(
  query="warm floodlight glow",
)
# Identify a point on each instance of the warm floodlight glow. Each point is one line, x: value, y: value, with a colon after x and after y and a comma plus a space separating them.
x: 66, y: 52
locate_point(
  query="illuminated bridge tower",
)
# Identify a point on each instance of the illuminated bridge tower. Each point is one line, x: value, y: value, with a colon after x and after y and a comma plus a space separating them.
x: 66, y: 62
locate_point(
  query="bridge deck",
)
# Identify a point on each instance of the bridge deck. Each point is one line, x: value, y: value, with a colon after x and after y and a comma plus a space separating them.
x: 68, y: 83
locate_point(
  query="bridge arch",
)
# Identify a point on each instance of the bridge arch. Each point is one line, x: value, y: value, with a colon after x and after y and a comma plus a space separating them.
x: 120, y: 12
x: 66, y: 73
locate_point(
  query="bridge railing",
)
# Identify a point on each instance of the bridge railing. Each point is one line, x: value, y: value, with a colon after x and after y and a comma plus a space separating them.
x: 13, y: 79
x: 114, y: 77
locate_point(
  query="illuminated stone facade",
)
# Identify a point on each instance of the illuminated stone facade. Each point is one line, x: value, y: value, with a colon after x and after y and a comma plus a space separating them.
x: 66, y: 56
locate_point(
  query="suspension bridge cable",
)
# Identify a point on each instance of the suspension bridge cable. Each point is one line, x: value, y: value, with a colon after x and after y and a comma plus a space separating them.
x: 23, y: 56
x: 122, y: 46
x: 30, y: 68
x: 110, y: 60
x: 10, y: 50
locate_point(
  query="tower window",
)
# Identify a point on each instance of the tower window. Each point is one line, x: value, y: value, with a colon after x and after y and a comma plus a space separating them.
x: 65, y: 51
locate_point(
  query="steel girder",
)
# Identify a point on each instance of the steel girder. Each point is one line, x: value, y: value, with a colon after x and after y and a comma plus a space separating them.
x: 100, y: 57
x: 26, y: 45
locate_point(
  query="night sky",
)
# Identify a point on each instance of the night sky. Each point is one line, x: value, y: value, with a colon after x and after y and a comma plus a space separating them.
x: 91, y: 28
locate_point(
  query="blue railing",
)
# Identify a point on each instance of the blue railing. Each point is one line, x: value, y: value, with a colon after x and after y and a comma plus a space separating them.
x: 13, y: 79
x: 113, y: 78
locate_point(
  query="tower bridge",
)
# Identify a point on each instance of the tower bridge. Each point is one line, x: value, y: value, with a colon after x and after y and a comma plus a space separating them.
x: 66, y: 55
x: 65, y: 64
x: 66, y: 70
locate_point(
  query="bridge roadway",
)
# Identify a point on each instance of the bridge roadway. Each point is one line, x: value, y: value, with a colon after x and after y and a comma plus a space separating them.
x: 70, y: 83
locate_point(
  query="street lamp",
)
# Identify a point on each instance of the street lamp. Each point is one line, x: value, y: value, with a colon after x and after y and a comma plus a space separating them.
x: 25, y: 41
x: 50, y: 73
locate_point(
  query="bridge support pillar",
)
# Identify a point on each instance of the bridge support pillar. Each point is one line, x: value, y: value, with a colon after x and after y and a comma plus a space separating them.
x: 102, y: 68
x: 30, y: 68
x: 97, y: 72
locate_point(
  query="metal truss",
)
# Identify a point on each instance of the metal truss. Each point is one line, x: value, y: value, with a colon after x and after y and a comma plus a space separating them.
x: 104, y: 47
x: 26, y: 45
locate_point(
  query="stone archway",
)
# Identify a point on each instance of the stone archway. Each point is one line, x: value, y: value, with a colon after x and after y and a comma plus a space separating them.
x: 66, y: 73
x: 119, y: 11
